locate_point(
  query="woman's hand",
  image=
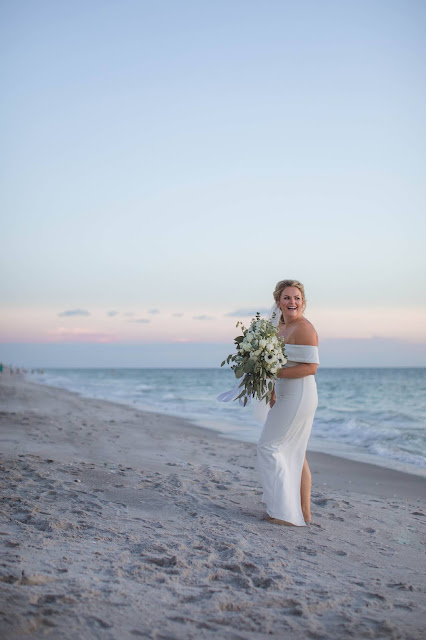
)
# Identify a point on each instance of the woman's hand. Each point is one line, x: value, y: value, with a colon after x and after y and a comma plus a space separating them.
x: 300, y: 370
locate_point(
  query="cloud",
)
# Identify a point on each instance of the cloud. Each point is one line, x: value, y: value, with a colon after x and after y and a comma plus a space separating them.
x: 153, y: 311
x: 203, y: 317
x: 111, y: 314
x: 129, y: 314
x: 245, y: 313
x: 141, y: 320
x: 73, y: 312
x: 177, y: 315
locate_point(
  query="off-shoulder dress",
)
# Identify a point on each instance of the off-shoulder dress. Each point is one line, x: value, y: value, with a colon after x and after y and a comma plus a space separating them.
x: 282, y: 445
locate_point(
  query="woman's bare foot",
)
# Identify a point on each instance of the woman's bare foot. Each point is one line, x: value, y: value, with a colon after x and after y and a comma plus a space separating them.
x: 306, y: 514
x: 277, y: 521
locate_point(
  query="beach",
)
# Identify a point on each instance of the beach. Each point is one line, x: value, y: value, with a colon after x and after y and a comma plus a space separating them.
x: 118, y: 523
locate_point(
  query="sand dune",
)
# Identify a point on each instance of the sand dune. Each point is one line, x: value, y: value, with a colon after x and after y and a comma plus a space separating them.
x: 121, y: 524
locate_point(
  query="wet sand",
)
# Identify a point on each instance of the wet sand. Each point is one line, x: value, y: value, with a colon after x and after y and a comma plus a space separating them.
x: 120, y: 524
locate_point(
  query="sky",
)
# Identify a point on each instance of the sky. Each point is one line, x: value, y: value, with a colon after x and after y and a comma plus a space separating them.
x: 164, y: 164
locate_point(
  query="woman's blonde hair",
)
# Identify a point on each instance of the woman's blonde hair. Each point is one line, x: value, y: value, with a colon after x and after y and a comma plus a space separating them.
x: 282, y: 284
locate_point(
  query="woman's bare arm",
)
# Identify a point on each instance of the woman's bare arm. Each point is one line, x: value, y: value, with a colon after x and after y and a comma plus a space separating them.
x: 300, y: 370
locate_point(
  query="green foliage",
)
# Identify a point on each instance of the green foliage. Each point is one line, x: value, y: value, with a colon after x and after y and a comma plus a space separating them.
x: 248, y: 366
x: 252, y: 362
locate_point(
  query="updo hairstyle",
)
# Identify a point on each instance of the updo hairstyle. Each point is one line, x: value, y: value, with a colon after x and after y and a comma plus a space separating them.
x: 281, y: 285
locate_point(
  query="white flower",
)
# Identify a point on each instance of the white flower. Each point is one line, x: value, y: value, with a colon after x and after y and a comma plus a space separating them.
x: 260, y: 344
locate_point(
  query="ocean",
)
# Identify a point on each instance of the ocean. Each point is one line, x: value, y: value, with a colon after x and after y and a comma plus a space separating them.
x: 372, y: 415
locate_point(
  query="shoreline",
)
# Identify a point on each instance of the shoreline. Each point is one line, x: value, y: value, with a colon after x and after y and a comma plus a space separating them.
x: 314, y: 447
x: 329, y: 467
x: 120, y: 523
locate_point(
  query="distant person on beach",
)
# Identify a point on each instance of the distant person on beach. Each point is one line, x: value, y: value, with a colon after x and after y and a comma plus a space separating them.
x: 282, y: 463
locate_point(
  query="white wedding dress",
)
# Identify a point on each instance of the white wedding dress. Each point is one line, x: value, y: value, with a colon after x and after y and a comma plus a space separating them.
x: 282, y: 445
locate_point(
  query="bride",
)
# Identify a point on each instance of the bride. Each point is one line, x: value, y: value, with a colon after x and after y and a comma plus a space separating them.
x: 282, y: 463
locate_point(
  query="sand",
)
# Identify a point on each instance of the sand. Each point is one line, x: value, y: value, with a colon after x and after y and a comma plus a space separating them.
x: 121, y: 524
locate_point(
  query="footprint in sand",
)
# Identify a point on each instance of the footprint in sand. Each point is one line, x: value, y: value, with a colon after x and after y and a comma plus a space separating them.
x: 310, y: 552
x: 321, y: 502
x: 36, y: 579
x: 336, y: 518
x: 400, y: 585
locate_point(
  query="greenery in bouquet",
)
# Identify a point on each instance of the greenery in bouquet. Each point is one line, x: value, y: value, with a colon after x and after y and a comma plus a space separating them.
x: 259, y: 357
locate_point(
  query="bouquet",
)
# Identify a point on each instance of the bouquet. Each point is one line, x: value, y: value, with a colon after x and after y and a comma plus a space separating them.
x: 260, y: 355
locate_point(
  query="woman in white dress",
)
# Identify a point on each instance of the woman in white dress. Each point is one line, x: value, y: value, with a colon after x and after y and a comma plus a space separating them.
x: 282, y: 463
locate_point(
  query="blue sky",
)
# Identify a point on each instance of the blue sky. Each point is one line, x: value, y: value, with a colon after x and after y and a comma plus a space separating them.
x: 184, y: 156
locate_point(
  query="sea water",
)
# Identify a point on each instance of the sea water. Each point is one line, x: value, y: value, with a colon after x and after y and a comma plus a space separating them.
x: 375, y: 415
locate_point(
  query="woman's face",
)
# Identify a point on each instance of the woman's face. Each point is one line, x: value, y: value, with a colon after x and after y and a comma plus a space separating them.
x: 291, y: 303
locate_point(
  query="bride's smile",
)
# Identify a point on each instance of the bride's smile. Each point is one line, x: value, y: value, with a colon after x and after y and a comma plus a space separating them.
x: 291, y: 304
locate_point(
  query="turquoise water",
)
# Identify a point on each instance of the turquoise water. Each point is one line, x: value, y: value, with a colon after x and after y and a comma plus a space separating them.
x: 377, y: 415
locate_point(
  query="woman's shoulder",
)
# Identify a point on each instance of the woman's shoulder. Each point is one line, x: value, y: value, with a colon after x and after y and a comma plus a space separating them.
x: 305, y: 333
